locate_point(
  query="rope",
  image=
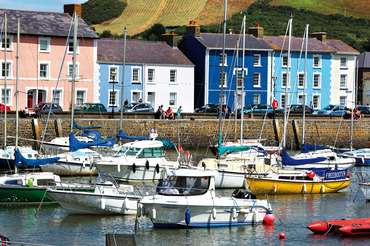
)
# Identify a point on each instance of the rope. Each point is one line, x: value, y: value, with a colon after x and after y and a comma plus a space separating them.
x: 37, y: 210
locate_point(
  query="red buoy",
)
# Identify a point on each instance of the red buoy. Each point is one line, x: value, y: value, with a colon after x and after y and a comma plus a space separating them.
x: 269, y: 218
x: 282, y: 236
x: 348, y: 175
x: 311, y: 174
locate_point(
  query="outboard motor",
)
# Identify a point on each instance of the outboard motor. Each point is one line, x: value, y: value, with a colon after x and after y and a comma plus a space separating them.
x: 243, y: 194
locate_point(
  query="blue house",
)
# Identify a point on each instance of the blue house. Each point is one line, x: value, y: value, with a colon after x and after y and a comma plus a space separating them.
x: 155, y: 73
x: 323, y: 79
x: 205, y: 51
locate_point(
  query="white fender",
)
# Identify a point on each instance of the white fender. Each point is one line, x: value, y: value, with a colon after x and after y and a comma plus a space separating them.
x: 102, y: 203
x: 118, y: 167
x: 234, y: 213
x: 125, y: 203
x: 154, y: 213
x: 214, y: 213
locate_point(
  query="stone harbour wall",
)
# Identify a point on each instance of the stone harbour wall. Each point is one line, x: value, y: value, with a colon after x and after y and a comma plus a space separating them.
x: 199, y: 133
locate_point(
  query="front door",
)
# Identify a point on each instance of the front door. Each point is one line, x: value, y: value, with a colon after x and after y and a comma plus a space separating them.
x: 30, y: 100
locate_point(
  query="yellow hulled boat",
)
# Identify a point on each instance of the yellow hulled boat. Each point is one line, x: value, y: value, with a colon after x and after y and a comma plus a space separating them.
x: 293, y: 182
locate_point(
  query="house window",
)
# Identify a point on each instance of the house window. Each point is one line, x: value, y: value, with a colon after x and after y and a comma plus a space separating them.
x: 301, y: 80
x: 316, y: 81
x: 70, y: 70
x: 44, y: 70
x: 57, y: 97
x: 113, y: 74
x: 173, y: 98
x: 223, y: 59
x: 302, y: 99
x: 112, y: 99
x: 257, y: 60
x: 256, y: 98
x: 44, y: 44
x: 343, y: 81
x: 284, y: 80
x: 70, y: 46
x: 317, y: 61
x: 257, y: 80
x: 285, y: 61
x: 136, y: 75
x: 316, y: 101
x: 343, y: 100
x: 283, y: 100
x: 151, y: 75
x: 136, y: 96
x: 223, y: 79
x: 80, y: 97
x: 5, y: 95
x: 239, y: 79
x: 343, y: 62
x: 7, y: 72
x: 173, y: 76
x: 9, y: 43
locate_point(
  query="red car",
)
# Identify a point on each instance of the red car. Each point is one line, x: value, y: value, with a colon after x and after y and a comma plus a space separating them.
x: 2, y: 107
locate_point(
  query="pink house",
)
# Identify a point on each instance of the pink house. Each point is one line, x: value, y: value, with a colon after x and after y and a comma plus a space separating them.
x: 43, y: 74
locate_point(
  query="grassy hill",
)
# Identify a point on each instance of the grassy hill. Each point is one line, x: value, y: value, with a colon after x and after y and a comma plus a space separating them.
x: 139, y: 15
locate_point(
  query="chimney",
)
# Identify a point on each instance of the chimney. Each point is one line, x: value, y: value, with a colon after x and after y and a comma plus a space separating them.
x: 193, y: 29
x: 256, y: 31
x: 171, y: 39
x: 71, y: 8
x: 319, y: 36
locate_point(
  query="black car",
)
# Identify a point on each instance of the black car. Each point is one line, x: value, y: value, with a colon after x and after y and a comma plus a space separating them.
x: 44, y: 108
x: 296, y: 108
x: 211, y: 108
x: 364, y: 109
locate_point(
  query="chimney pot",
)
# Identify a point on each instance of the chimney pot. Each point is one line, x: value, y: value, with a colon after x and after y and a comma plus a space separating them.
x: 319, y: 36
x: 71, y: 8
x: 257, y: 25
x: 256, y: 31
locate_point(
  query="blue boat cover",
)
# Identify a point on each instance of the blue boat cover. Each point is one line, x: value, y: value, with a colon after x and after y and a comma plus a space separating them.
x: 228, y: 149
x: 166, y: 143
x: 75, y: 126
x: 96, y: 136
x: 311, y: 147
x: 74, y: 144
x: 289, y: 161
x: 20, y: 161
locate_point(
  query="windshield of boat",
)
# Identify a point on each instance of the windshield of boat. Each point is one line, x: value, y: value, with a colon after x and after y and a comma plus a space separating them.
x: 140, y: 152
x: 184, y: 186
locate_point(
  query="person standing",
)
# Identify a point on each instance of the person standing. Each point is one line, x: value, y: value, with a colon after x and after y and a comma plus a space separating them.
x: 311, y: 106
x: 179, y: 112
x: 126, y: 102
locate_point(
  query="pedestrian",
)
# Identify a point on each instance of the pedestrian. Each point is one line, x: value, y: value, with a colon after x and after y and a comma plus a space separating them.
x: 179, y: 112
x: 311, y: 106
x: 126, y: 102
x: 169, y: 113
x: 141, y: 100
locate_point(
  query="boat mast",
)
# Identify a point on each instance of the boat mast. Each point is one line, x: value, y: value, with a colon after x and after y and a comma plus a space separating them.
x: 242, y: 113
x: 222, y: 77
x: 287, y: 81
x: 74, y: 67
x: 123, y: 74
x: 305, y: 84
x: 6, y: 74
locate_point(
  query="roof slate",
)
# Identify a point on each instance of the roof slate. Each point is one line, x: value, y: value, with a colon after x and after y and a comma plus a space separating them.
x: 215, y: 40
x: 364, y: 60
x: 314, y: 45
x: 44, y: 24
x: 139, y: 52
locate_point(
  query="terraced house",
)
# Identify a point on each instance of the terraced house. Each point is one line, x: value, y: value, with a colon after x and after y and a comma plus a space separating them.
x: 45, y: 58
x: 156, y: 72
x: 330, y: 71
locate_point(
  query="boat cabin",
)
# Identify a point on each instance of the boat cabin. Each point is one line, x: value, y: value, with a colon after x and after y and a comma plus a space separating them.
x: 142, y: 149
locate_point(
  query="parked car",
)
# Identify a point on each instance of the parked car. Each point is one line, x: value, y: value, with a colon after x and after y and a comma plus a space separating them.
x: 138, y: 107
x: 363, y: 109
x: 92, y: 107
x: 211, y: 108
x: 333, y: 109
x: 2, y: 107
x: 296, y: 108
x: 44, y: 108
x: 258, y: 108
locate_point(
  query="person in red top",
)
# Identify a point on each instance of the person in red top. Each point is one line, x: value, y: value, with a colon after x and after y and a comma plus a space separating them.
x: 169, y: 113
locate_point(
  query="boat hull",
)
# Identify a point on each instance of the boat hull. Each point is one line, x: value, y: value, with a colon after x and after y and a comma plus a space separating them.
x: 362, y: 161
x: 217, y: 213
x: 335, y: 226
x: 92, y: 203
x: 12, y: 194
x: 279, y: 187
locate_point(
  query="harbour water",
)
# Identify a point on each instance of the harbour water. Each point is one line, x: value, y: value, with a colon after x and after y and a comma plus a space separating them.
x: 51, y: 225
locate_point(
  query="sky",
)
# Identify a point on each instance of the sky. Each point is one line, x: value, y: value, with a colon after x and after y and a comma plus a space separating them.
x: 37, y: 5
